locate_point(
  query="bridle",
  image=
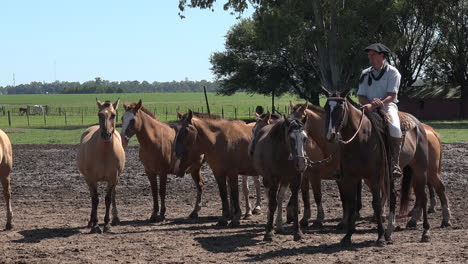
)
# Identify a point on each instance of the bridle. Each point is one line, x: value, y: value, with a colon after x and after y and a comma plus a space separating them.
x: 340, y: 127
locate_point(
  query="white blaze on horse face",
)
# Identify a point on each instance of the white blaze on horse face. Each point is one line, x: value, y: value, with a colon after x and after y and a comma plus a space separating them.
x: 332, y: 105
x: 127, y: 117
x: 298, y: 136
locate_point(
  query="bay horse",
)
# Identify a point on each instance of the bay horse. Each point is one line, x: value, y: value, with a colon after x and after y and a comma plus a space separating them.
x: 156, y: 139
x: 224, y: 145
x: 6, y: 164
x: 363, y: 156
x: 101, y: 158
x: 278, y: 155
x: 245, y: 183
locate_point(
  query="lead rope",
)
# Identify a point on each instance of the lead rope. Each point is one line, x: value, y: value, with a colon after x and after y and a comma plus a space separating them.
x: 357, y: 131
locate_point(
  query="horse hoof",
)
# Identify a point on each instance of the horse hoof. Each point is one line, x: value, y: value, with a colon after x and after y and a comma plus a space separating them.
x: 289, y: 220
x: 268, y: 237
x: 317, y: 225
x: 388, y: 237
x: 280, y: 231
x: 445, y: 224
x: 425, y: 239
x: 304, y: 223
x: 8, y: 226
x: 153, y: 219
x: 345, y: 242
x: 247, y: 216
x: 379, y: 243
x: 193, y: 215
x: 90, y: 224
x: 257, y: 211
x: 340, y: 226
x: 297, y: 236
x: 431, y: 210
x: 115, y: 221
x: 222, y: 222
x: 411, y: 224
x: 107, y: 228
x: 234, y: 223
x: 95, y: 230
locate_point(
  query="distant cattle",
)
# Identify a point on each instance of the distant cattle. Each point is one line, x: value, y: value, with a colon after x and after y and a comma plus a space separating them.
x: 23, y: 110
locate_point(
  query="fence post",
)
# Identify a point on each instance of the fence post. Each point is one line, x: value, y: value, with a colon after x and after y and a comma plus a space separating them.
x: 45, y: 121
x: 9, y: 118
x: 249, y: 112
x: 27, y: 117
x: 65, y: 113
x: 222, y: 112
x: 235, y: 112
x: 166, y: 113
x: 60, y: 111
x: 116, y: 116
x: 82, y: 117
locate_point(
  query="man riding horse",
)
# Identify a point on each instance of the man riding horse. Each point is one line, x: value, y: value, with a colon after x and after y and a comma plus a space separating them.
x: 378, y: 88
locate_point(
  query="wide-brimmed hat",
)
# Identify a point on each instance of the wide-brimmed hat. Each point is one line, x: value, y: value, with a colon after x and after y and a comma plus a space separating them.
x: 378, y: 47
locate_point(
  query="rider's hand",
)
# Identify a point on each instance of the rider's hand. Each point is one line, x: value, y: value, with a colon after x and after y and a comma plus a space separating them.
x: 376, y: 103
x: 368, y: 108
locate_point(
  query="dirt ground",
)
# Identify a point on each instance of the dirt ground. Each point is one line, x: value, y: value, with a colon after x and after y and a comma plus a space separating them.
x: 51, y: 206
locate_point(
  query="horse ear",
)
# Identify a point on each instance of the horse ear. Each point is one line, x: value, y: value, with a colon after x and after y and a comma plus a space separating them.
x: 138, y: 105
x: 179, y: 115
x: 99, y: 104
x: 327, y: 93
x: 345, y: 92
x: 267, y: 117
x: 286, y: 120
x: 116, y: 104
x: 291, y: 105
x: 304, y: 120
x: 189, y: 116
x: 303, y: 108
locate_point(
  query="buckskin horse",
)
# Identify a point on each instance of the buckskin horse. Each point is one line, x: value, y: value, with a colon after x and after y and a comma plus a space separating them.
x: 6, y: 164
x: 279, y: 157
x: 363, y: 156
x: 101, y: 158
x: 224, y: 145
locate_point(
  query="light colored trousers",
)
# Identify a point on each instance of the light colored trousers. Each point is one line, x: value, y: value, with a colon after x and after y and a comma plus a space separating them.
x: 394, y: 126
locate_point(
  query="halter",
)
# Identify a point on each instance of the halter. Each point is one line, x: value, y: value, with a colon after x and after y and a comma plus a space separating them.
x: 340, y: 127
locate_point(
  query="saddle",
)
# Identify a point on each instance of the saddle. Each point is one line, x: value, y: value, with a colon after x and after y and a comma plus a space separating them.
x: 380, y: 120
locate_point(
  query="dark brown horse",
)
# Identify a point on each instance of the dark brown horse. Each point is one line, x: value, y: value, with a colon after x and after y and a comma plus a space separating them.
x: 224, y: 145
x: 156, y: 140
x: 363, y: 156
x: 279, y: 156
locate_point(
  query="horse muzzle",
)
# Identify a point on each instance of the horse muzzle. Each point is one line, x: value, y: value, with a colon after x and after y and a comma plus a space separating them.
x: 107, y: 136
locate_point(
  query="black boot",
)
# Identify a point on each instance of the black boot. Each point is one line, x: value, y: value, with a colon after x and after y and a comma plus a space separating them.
x: 395, y: 148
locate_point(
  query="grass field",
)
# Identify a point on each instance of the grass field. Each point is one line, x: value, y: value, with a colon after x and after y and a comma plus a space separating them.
x: 78, y: 111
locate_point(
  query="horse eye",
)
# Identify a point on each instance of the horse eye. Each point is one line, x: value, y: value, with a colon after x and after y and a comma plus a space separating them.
x: 112, y: 116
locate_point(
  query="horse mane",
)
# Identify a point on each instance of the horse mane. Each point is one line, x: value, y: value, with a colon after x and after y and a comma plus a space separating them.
x: 142, y: 108
x: 272, y: 116
x: 353, y: 103
x: 313, y: 108
x: 202, y: 116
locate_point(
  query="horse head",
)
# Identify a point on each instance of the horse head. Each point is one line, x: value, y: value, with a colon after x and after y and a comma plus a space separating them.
x: 296, y: 139
x: 106, y: 114
x: 184, y: 146
x: 261, y: 121
x: 130, y: 122
x: 336, y: 114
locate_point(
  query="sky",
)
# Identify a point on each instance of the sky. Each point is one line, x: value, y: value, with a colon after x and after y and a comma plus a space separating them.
x: 117, y: 40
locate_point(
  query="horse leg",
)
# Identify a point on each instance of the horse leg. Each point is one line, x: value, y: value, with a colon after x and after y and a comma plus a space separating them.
x: 295, y: 186
x: 317, y: 189
x: 432, y: 199
x: 198, y: 180
x: 419, y: 183
x: 258, y: 189
x: 349, y: 187
x: 306, y: 200
x: 272, y: 203
x: 391, y: 213
x: 440, y: 190
x: 152, y: 177
x: 162, y: 196
x: 115, y: 213
x: 110, y: 193
x: 93, y: 222
x: 342, y: 224
x: 279, y: 214
x: 377, y: 207
x: 7, y: 195
x: 233, y: 184
x: 245, y: 192
x: 221, y: 180
x: 358, y: 200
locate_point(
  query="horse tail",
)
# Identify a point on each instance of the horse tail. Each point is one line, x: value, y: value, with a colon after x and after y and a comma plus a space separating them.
x: 439, y: 169
x: 405, y: 190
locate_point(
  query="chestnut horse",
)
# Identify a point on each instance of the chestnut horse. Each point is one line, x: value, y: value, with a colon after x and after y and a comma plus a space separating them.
x: 6, y: 164
x: 224, y: 145
x: 278, y: 155
x: 102, y: 158
x: 156, y: 140
x: 245, y: 183
x: 363, y: 156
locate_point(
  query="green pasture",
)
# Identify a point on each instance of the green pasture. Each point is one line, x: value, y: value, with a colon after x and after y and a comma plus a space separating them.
x: 70, y: 114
